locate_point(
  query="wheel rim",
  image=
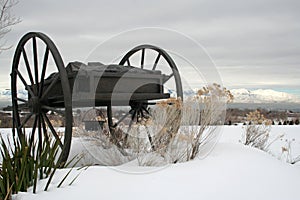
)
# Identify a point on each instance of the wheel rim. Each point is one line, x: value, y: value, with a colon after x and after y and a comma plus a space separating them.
x: 137, y: 57
x: 36, y: 57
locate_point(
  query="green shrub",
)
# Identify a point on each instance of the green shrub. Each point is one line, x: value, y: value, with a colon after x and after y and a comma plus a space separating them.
x: 24, y: 163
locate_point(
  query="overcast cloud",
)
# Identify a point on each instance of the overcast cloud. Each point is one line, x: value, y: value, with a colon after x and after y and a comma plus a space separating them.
x: 255, y: 44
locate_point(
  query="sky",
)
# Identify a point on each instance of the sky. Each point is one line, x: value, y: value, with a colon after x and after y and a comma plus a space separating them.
x: 253, y: 44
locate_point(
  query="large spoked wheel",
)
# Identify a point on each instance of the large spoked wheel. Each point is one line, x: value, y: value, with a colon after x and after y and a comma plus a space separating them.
x: 37, y: 71
x: 152, y: 58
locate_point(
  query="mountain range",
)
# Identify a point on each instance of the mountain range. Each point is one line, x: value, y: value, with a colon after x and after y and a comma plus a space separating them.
x: 265, y: 96
x: 258, y: 96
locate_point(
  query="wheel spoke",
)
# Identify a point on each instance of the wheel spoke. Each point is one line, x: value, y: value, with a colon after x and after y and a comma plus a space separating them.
x: 22, y: 106
x: 167, y: 78
x: 35, y: 61
x: 40, y: 140
x: 128, y: 62
x: 52, y: 129
x: 130, y: 123
x: 44, y: 128
x: 25, y: 120
x: 33, y: 129
x: 149, y: 137
x: 27, y: 66
x: 45, y: 62
x: 109, y: 117
x: 142, y: 58
x: 138, y: 115
x: 24, y: 83
x: 120, y: 120
x: 144, y: 109
x: 156, y: 61
x: 50, y: 86
x: 142, y: 113
x: 22, y: 100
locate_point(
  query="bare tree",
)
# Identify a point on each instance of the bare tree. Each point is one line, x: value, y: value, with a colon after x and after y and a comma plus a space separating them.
x: 7, y: 20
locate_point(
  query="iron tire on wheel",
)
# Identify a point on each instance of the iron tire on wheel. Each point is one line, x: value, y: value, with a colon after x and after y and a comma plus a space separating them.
x: 31, y: 76
x: 139, y: 109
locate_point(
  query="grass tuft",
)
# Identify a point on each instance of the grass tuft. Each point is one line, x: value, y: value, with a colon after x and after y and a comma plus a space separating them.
x: 24, y: 163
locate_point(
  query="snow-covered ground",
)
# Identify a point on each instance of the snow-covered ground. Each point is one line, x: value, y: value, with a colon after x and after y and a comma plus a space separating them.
x: 230, y: 171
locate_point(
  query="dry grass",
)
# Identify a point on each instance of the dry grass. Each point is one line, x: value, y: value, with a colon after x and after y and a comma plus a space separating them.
x: 176, y: 131
x: 257, y: 131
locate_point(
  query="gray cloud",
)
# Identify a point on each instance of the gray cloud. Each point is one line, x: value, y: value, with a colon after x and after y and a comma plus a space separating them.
x: 253, y: 43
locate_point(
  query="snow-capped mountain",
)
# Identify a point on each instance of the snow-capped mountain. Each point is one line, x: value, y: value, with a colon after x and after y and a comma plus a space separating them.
x: 6, y: 94
x: 263, y: 96
x: 5, y: 97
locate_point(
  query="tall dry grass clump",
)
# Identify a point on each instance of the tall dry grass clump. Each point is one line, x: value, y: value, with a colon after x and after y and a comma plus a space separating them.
x: 257, y: 134
x: 180, y: 130
x: 257, y: 130
x: 166, y: 119
x: 176, y: 130
x: 201, y: 116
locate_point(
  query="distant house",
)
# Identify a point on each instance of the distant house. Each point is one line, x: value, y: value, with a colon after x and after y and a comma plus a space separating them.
x: 291, y: 116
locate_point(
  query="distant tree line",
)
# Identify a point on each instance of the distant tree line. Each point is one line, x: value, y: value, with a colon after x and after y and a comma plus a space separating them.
x: 236, y: 116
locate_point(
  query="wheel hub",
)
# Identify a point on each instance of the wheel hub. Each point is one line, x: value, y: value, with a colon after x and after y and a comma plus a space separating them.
x: 35, y: 105
x: 137, y: 105
x: 140, y: 109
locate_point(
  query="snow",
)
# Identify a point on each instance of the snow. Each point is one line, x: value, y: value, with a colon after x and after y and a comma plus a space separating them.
x: 262, y: 96
x: 230, y: 171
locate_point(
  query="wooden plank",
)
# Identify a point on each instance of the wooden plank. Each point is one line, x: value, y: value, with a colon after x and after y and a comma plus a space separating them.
x: 118, y: 99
